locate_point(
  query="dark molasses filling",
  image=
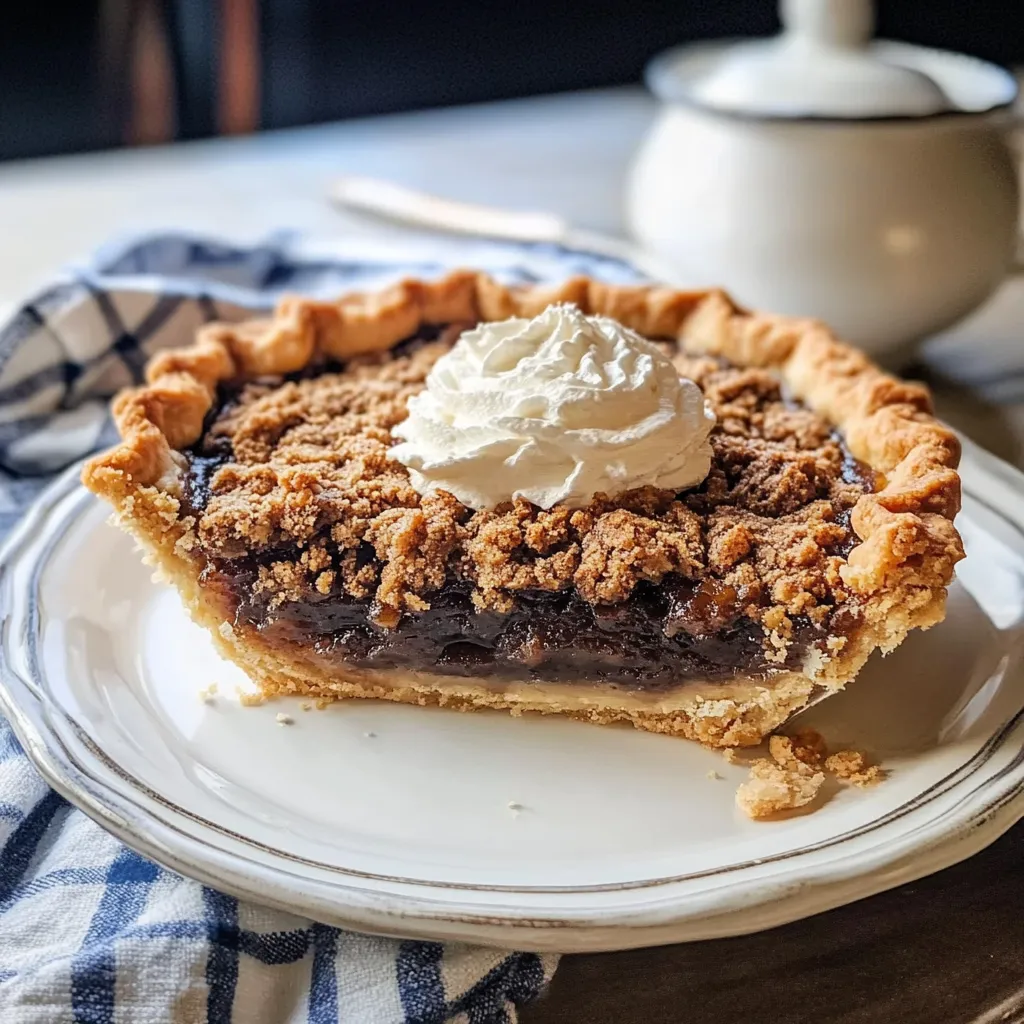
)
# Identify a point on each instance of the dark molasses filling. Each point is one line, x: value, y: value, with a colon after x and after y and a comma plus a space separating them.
x: 743, y: 577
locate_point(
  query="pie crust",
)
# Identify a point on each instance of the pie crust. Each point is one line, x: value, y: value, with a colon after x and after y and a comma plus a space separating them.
x: 899, y: 570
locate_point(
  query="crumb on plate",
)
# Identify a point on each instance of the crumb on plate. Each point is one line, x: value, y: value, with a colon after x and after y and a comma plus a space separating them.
x: 772, y: 788
x: 282, y: 719
x: 803, y: 749
x: 795, y: 772
x: 851, y: 766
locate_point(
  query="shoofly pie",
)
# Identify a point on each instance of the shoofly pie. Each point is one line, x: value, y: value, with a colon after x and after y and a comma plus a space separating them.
x: 614, y: 503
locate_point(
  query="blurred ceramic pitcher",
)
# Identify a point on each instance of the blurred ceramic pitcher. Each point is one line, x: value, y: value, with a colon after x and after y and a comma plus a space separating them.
x: 821, y: 173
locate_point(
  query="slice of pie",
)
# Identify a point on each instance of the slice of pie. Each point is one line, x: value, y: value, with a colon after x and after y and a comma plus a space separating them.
x: 564, y: 538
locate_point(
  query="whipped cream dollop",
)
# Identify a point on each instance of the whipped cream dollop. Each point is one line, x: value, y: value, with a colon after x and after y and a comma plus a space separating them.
x: 554, y: 410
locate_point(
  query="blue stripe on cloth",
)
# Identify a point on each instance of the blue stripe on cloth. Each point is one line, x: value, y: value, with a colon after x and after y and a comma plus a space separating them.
x: 516, y: 980
x: 276, y: 272
x: 26, y: 322
x: 222, y: 959
x: 527, y: 979
x: 207, y: 307
x: 274, y: 947
x: 128, y: 348
x: 169, y: 930
x: 124, y: 342
x: 10, y: 812
x: 57, y: 373
x: 485, y: 1002
x: 323, y: 983
x: 52, y: 880
x: 9, y: 745
x: 17, y: 429
x: 104, y: 303
x: 24, y: 840
x: 490, y: 1010
x: 164, y: 308
x: 420, y: 987
x: 94, y: 967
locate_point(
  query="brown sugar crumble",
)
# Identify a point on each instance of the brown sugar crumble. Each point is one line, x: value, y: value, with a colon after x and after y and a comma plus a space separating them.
x: 771, y: 788
x: 803, y: 749
x: 851, y: 766
x: 296, y: 475
x: 796, y: 771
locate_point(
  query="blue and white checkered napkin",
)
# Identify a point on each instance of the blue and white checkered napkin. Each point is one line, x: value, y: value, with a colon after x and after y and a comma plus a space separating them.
x: 90, y: 931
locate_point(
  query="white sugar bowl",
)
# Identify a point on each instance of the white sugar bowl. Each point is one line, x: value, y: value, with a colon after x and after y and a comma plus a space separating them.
x: 869, y: 184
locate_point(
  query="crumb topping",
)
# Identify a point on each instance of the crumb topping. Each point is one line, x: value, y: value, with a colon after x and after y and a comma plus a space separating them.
x: 306, y: 487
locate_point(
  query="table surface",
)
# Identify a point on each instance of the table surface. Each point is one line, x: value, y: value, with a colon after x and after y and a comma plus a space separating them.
x: 944, y: 950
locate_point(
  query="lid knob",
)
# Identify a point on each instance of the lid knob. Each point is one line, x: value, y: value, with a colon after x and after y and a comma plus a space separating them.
x: 823, y: 65
x: 826, y: 64
x: 845, y: 23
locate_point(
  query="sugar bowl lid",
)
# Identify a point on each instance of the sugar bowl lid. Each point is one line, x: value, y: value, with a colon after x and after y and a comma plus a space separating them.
x: 825, y: 65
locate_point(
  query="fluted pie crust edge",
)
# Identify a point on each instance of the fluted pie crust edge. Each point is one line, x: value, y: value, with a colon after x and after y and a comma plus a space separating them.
x: 900, y: 569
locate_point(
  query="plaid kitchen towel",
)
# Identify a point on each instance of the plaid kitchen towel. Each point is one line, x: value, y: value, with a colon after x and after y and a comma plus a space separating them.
x: 90, y: 931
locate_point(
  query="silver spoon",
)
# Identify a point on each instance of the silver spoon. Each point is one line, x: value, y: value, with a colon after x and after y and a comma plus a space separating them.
x: 399, y: 204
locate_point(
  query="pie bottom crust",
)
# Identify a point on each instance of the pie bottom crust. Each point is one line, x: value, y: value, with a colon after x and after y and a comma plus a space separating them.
x: 734, y: 713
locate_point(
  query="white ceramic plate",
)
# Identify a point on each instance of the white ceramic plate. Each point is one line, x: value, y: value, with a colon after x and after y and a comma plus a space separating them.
x: 399, y: 820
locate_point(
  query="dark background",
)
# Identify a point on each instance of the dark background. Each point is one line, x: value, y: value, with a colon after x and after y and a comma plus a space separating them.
x: 70, y: 70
